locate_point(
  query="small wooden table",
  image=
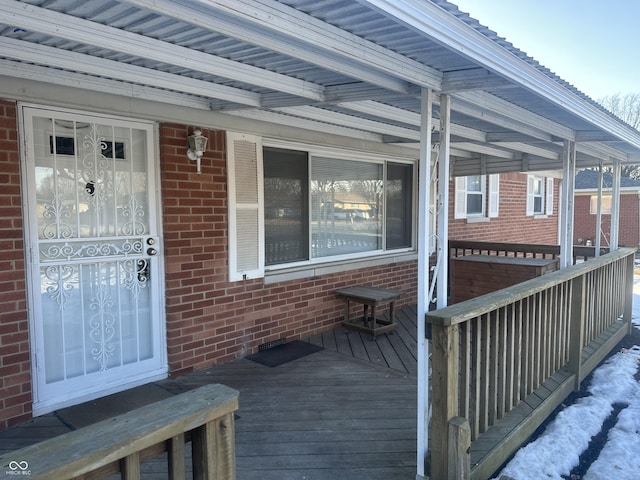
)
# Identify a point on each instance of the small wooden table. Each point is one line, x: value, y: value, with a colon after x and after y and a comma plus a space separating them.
x: 370, y: 297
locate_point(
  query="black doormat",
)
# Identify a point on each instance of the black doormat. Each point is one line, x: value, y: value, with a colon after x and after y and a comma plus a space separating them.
x: 284, y: 353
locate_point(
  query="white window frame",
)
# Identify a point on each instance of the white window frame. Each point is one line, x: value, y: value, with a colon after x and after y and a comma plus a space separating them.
x: 241, y: 246
x: 607, y: 203
x: 545, y: 195
x: 490, y: 184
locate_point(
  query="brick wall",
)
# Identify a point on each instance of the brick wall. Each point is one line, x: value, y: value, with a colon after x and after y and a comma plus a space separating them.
x: 15, y: 365
x: 629, y: 228
x: 211, y: 320
x: 512, y: 223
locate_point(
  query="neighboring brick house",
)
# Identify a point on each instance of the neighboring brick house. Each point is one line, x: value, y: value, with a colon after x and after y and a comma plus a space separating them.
x: 510, y: 207
x: 585, y: 216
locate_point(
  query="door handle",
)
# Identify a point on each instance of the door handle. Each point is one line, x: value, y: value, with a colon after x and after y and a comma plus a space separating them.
x: 152, y: 251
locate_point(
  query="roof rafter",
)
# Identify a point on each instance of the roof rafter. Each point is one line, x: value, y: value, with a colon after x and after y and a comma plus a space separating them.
x: 283, y: 29
x: 34, y: 53
x: 32, y: 18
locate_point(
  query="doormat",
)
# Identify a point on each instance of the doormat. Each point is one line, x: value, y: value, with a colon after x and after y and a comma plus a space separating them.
x: 284, y: 353
x: 94, y: 411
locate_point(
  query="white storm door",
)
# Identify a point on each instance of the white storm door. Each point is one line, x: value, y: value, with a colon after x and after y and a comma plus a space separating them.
x: 97, y: 316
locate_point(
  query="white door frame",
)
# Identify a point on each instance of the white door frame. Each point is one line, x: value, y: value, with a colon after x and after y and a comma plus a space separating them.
x: 109, y: 382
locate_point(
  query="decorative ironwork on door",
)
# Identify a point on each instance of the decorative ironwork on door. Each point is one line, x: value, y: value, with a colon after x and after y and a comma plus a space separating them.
x: 92, y: 207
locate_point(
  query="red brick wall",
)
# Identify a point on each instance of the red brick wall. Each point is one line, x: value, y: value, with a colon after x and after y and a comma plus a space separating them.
x: 211, y: 320
x: 629, y: 228
x: 15, y: 365
x: 512, y: 223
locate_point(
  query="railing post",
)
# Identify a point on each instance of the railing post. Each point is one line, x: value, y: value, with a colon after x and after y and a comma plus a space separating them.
x: 628, y: 288
x: 213, y: 447
x: 459, y: 445
x: 444, y: 381
x: 576, y: 328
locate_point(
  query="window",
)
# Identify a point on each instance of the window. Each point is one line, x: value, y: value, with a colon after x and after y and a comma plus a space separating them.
x: 286, y: 198
x: 539, y: 196
x: 605, y: 207
x: 318, y: 206
x: 314, y: 206
x: 471, y: 196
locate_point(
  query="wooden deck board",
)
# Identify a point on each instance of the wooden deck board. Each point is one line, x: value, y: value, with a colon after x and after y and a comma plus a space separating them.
x: 346, y: 412
x: 397, y: 349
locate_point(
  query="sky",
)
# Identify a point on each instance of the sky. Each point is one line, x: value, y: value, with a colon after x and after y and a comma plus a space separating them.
x: 592, y: 44
x: 554, y: 454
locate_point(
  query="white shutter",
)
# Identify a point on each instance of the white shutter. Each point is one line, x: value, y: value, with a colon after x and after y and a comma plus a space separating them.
x: 246, y: 206
x: 494, y: 195
x: 460, y: 207
x: 549, y: 191
x: 530, y: 188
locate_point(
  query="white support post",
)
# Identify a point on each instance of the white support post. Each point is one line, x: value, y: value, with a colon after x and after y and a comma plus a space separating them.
x: 424, y: 194
x: 567, y: 203
x: 599, y: 212
x: 443, y: 200
x: 615, y: 206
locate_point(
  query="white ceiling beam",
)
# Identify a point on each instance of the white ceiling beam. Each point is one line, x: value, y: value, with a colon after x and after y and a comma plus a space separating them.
x: 593, y: 136
x: 283, y: 29
x: 54, y: 57
x: 484, y: 149
x: 296, y: 34
x: 531, y: 149
x: 473, y: 79
x: 484, y: 102
x: 433, y: 21
x: 381, y: 110
x: 351, y: 121
x: 32, y: 18
x: 25, y: 71
x: 282, y: 118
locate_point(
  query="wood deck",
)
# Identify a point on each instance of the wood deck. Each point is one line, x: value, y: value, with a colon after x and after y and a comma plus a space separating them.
x: 345, y: 412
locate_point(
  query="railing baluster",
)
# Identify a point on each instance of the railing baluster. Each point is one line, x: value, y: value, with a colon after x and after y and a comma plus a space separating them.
x: 512, y: 341
x: 130, y: 467
x: 176, y: 460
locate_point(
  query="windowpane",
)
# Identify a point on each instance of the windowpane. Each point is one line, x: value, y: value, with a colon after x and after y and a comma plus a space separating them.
x: 605, y: 206
x: 286, y: 206
x: 346, y: 198
x: 474, y: 183
x: 474, y: 203
x: 538, y: 194
x: 537, y: 204
x: 399, y: 205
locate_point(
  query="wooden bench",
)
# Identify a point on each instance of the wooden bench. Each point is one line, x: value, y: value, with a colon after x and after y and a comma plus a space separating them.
x: 120, y: 444
x: 373, y: 297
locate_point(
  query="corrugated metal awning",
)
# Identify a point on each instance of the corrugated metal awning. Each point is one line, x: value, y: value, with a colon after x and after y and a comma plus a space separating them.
x: 346, y: 67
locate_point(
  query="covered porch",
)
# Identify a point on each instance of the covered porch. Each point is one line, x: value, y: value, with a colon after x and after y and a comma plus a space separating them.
x: 411, y: 80
x: 356, y: 418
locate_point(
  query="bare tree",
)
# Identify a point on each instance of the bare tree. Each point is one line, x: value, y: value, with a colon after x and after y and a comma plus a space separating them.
x: 627, y: 108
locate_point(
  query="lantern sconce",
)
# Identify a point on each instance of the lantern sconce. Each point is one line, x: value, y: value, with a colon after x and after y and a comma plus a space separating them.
x: 197, y: 146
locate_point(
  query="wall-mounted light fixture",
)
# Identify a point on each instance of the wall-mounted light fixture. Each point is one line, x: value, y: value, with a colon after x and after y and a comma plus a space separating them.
x: 197, y: 146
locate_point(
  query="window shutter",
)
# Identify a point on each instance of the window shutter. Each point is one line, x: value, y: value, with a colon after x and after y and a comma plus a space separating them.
x: 494, y: 195
x: 530, y: 187
x: 549, y: 192
x: 246, y: 208
x: 460, y: 209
